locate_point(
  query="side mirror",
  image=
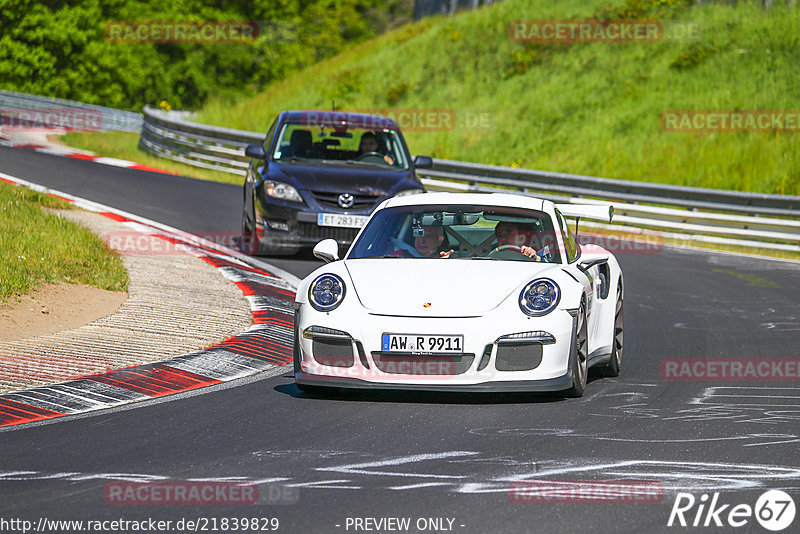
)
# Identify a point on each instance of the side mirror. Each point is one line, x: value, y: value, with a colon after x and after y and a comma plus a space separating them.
x: 589, y: 259
x: 327, y: 250
x: 589, y: 263
x: 255, y: 151
x: 423, y: 162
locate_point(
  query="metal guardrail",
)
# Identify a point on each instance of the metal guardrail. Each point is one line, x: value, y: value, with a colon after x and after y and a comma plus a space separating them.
x: 210, y: 147
x: 626, y: 190
x: 112, y: 119
x: 729, y: 217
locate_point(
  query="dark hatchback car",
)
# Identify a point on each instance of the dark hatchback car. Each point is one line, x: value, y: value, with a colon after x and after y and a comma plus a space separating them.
x: 319, y: 175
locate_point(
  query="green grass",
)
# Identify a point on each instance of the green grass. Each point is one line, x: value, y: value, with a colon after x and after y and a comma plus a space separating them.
x: 40, y: 247
x: 125, y: 145
x: 581, y: 108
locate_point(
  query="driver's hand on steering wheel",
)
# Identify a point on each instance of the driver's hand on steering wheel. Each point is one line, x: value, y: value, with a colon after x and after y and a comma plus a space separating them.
x: 388, y: 159
x: 530, y: 252
x: 443, y: 254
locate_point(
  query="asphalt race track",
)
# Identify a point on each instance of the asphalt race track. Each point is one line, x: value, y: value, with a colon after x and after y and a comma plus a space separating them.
x: 445, y: 462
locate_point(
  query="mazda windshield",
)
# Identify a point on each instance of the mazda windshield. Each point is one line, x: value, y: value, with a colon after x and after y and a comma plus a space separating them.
x: 344, y: 144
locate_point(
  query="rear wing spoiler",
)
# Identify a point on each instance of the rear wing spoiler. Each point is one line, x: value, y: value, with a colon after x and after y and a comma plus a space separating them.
x: 600, y: 212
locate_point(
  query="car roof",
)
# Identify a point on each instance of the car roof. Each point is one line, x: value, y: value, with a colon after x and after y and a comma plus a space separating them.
x: 332, y: 118
x: 483, y: 199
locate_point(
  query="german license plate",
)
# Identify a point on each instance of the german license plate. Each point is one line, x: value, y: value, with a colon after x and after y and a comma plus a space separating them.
x: 341, y: 220
x: 422, y: 343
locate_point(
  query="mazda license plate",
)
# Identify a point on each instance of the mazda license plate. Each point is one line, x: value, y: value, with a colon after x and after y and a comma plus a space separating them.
x: 341, y: 220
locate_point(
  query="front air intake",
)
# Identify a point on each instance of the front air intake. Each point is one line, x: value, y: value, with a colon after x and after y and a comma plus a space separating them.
x: 332, y: 352
x: 524, y: 356
x: 423, y: 364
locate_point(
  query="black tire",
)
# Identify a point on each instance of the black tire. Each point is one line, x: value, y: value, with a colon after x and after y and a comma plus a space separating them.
x: 614, y: 365
x: 252, y: 245
x: 249, y: 240
x: 579, y: 356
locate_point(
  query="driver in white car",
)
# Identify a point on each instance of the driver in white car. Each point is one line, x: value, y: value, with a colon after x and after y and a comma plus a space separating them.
x: 510, y: 234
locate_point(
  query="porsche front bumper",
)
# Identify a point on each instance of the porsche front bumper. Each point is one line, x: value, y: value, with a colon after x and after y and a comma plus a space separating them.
x: 523, y: 354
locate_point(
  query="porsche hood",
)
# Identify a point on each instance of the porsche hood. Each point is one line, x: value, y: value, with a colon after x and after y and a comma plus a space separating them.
x: 439, y: 288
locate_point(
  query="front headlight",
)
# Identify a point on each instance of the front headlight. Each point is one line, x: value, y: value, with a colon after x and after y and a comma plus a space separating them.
x: 540, y: 297
x: 282, y: 191
x: 326, y: 292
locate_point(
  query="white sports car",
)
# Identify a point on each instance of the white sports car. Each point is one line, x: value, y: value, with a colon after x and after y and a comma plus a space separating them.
x: 461, y: 292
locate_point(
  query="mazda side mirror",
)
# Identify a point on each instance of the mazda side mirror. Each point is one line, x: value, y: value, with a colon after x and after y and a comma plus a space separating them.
x: 255, y: 151
x: 423, y: 162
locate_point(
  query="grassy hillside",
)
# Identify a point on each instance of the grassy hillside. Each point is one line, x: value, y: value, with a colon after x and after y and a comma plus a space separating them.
x: 587, y: 108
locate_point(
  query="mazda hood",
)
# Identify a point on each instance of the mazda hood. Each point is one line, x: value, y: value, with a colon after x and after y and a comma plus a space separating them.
x: 338, y: 178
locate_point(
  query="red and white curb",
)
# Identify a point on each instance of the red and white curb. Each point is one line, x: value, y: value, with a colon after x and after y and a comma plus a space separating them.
x: 265, y: 345
x: 67, y: 152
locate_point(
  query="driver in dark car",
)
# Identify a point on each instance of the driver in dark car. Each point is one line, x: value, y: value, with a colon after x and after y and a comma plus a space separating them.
x: 369, y: 144
x: 507, y: 234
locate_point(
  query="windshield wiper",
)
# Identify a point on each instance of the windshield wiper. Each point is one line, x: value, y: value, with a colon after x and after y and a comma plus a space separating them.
x: 359, y: 162
x: 483, y: 258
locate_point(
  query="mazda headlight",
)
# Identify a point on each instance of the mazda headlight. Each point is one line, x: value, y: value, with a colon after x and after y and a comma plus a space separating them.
x: 540, y: 297
x: 326, y: 292
x: 282, y: 191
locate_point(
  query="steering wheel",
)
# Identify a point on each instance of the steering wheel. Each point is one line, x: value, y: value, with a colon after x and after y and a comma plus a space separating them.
x: 366, y: 155
x: 506, y: 252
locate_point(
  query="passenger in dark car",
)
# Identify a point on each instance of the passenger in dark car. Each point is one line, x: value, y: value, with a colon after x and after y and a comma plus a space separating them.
x: 300, y: 144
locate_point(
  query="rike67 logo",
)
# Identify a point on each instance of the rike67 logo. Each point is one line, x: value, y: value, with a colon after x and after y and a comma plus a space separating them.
x: 774, y: 510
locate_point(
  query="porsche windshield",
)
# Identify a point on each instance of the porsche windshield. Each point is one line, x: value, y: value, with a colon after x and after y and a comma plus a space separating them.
x: 354, y: 145
x: 458, y: 232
